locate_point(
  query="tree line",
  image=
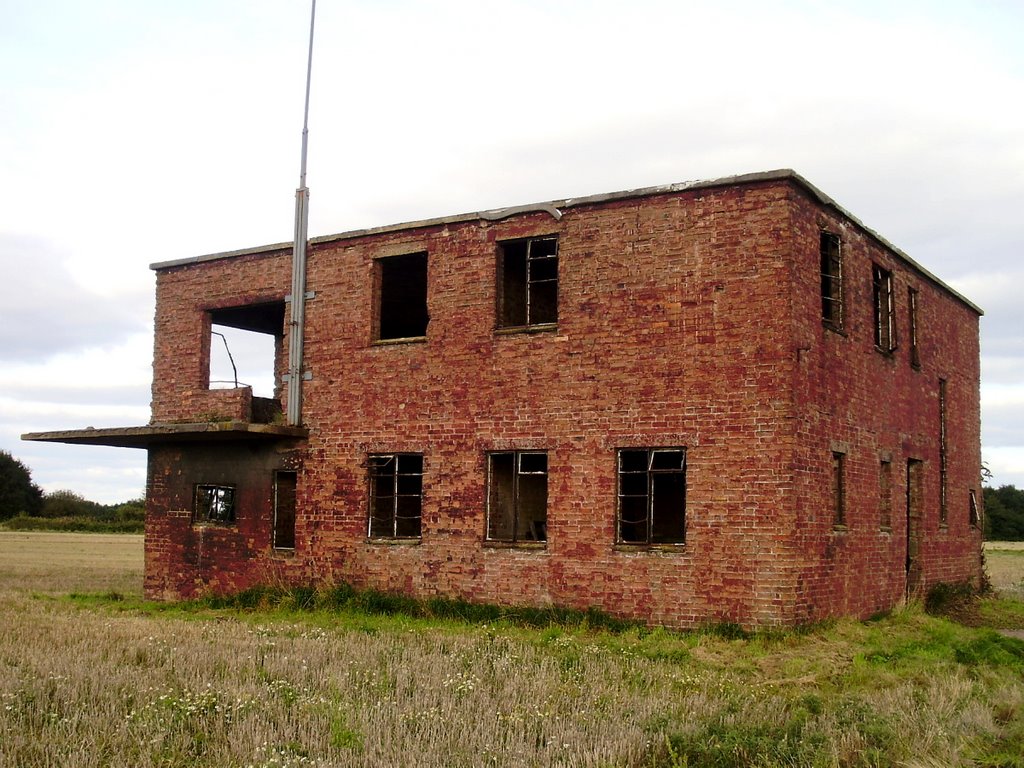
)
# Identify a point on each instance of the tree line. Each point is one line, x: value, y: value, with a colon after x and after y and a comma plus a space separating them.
x: 25, y: 506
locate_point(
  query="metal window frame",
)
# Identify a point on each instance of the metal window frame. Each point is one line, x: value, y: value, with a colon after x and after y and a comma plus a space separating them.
x: 395, y: 496
x: 884, y: 308
x: 529, y: 280
x: 651, y: 472
x: 517, y: 472
x: 209, y: 502
x: 912, y: 307
x: 833, y: 258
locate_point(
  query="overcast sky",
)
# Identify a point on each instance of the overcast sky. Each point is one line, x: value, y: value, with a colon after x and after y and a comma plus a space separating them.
x: 137, y: 131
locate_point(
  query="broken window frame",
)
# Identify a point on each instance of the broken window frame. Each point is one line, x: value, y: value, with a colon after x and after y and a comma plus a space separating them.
x: 640, y: 473
x: 536, y: 271
x: 838, y: 489
x: 831, y: 270
x: 973, y: 514
x: 883, y: 301
x: 401, y: 475
x: 915, y: 353
x: 214, y: 504
x: 283, y: 533
x: 400, y: 302
x: 536, y: 530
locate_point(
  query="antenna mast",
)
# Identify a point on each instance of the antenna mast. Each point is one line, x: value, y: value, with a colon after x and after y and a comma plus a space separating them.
x: 296, y: 329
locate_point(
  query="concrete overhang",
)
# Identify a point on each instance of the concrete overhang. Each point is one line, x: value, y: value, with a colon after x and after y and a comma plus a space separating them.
x: 198, y: 432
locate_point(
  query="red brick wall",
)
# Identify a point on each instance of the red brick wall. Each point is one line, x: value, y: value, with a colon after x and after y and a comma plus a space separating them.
x: 871, y: 405
x: 688, y: 319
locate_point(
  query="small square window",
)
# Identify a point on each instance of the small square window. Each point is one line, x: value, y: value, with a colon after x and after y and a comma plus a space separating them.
x: 528, y: 282
x: 652, y: 496
x: 214, y: 504
x: 396, y: 495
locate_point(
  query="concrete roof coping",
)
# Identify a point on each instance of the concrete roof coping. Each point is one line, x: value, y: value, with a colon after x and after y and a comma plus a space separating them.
x: 555, y: 207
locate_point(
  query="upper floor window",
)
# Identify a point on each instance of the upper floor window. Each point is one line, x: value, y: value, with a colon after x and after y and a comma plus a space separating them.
x: 831, y: 281
x: 246, y: 344
x: 528, y: 282
x: 517, y: 496
x: 214, y: 504
x: 402, y: 297
x: 885, y: 317
x: 652, y: 496
x: 915, y: 355
x: 396, y: 495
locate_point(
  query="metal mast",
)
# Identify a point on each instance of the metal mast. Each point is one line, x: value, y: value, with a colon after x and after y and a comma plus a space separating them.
x: 296, y: 329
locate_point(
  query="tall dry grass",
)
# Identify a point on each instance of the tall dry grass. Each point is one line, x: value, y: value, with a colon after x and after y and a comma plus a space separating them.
x: 125, y: 684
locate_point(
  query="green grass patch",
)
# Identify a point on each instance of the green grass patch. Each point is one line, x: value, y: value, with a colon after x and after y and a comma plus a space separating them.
x: 372, y: 602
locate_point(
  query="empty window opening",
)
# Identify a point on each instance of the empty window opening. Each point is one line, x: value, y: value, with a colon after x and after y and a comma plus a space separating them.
x: 885, y: 320
x: 284, y: 509
x: 838, y: 488
x: 214, y: 504
x: 246, y: 347
x: 942, y: 452
x: 396, y: 495
x: 915, y: 504
x: 517, y: 499
x: 528, y: 282
x: 885, y: 495
x: 915, y: 355
x: 831, y: 280
x: 402, y: 297
x: 652, y: 496
x: 974, y: 517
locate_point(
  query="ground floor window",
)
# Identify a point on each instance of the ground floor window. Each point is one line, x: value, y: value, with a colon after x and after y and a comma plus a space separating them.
x: 517, y: 496
x: 396, y: 495
x: 284, y: 509
x: 652, y: 496
x: 214, y: 504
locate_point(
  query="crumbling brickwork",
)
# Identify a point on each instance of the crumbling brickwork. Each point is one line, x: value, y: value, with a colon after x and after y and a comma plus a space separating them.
x: 688, y: 319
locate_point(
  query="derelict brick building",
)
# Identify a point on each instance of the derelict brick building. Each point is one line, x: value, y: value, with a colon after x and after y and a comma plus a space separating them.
x: 722, y: 400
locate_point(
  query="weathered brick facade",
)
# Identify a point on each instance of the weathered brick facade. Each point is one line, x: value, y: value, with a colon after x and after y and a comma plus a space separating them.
x: 688, y: 317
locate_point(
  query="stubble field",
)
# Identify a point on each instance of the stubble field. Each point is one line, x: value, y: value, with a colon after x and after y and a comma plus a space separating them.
x: 110, y: 680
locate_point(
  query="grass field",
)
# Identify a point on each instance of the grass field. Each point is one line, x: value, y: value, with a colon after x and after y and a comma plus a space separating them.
x: 114, y: 681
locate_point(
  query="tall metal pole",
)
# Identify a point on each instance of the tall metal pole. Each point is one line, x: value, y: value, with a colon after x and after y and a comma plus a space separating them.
x: 296, y: 329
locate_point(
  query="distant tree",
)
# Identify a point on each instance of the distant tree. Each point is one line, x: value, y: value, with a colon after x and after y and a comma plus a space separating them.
x: 69, y: 504
x: 18, y: 494
x: 1004, y: 513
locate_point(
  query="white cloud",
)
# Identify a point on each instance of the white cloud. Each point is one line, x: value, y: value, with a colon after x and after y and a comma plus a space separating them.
x: 140, y: 132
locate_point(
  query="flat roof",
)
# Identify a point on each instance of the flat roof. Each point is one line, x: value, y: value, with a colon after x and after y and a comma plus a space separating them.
x: 143, y: 437
x: 555, y: 207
